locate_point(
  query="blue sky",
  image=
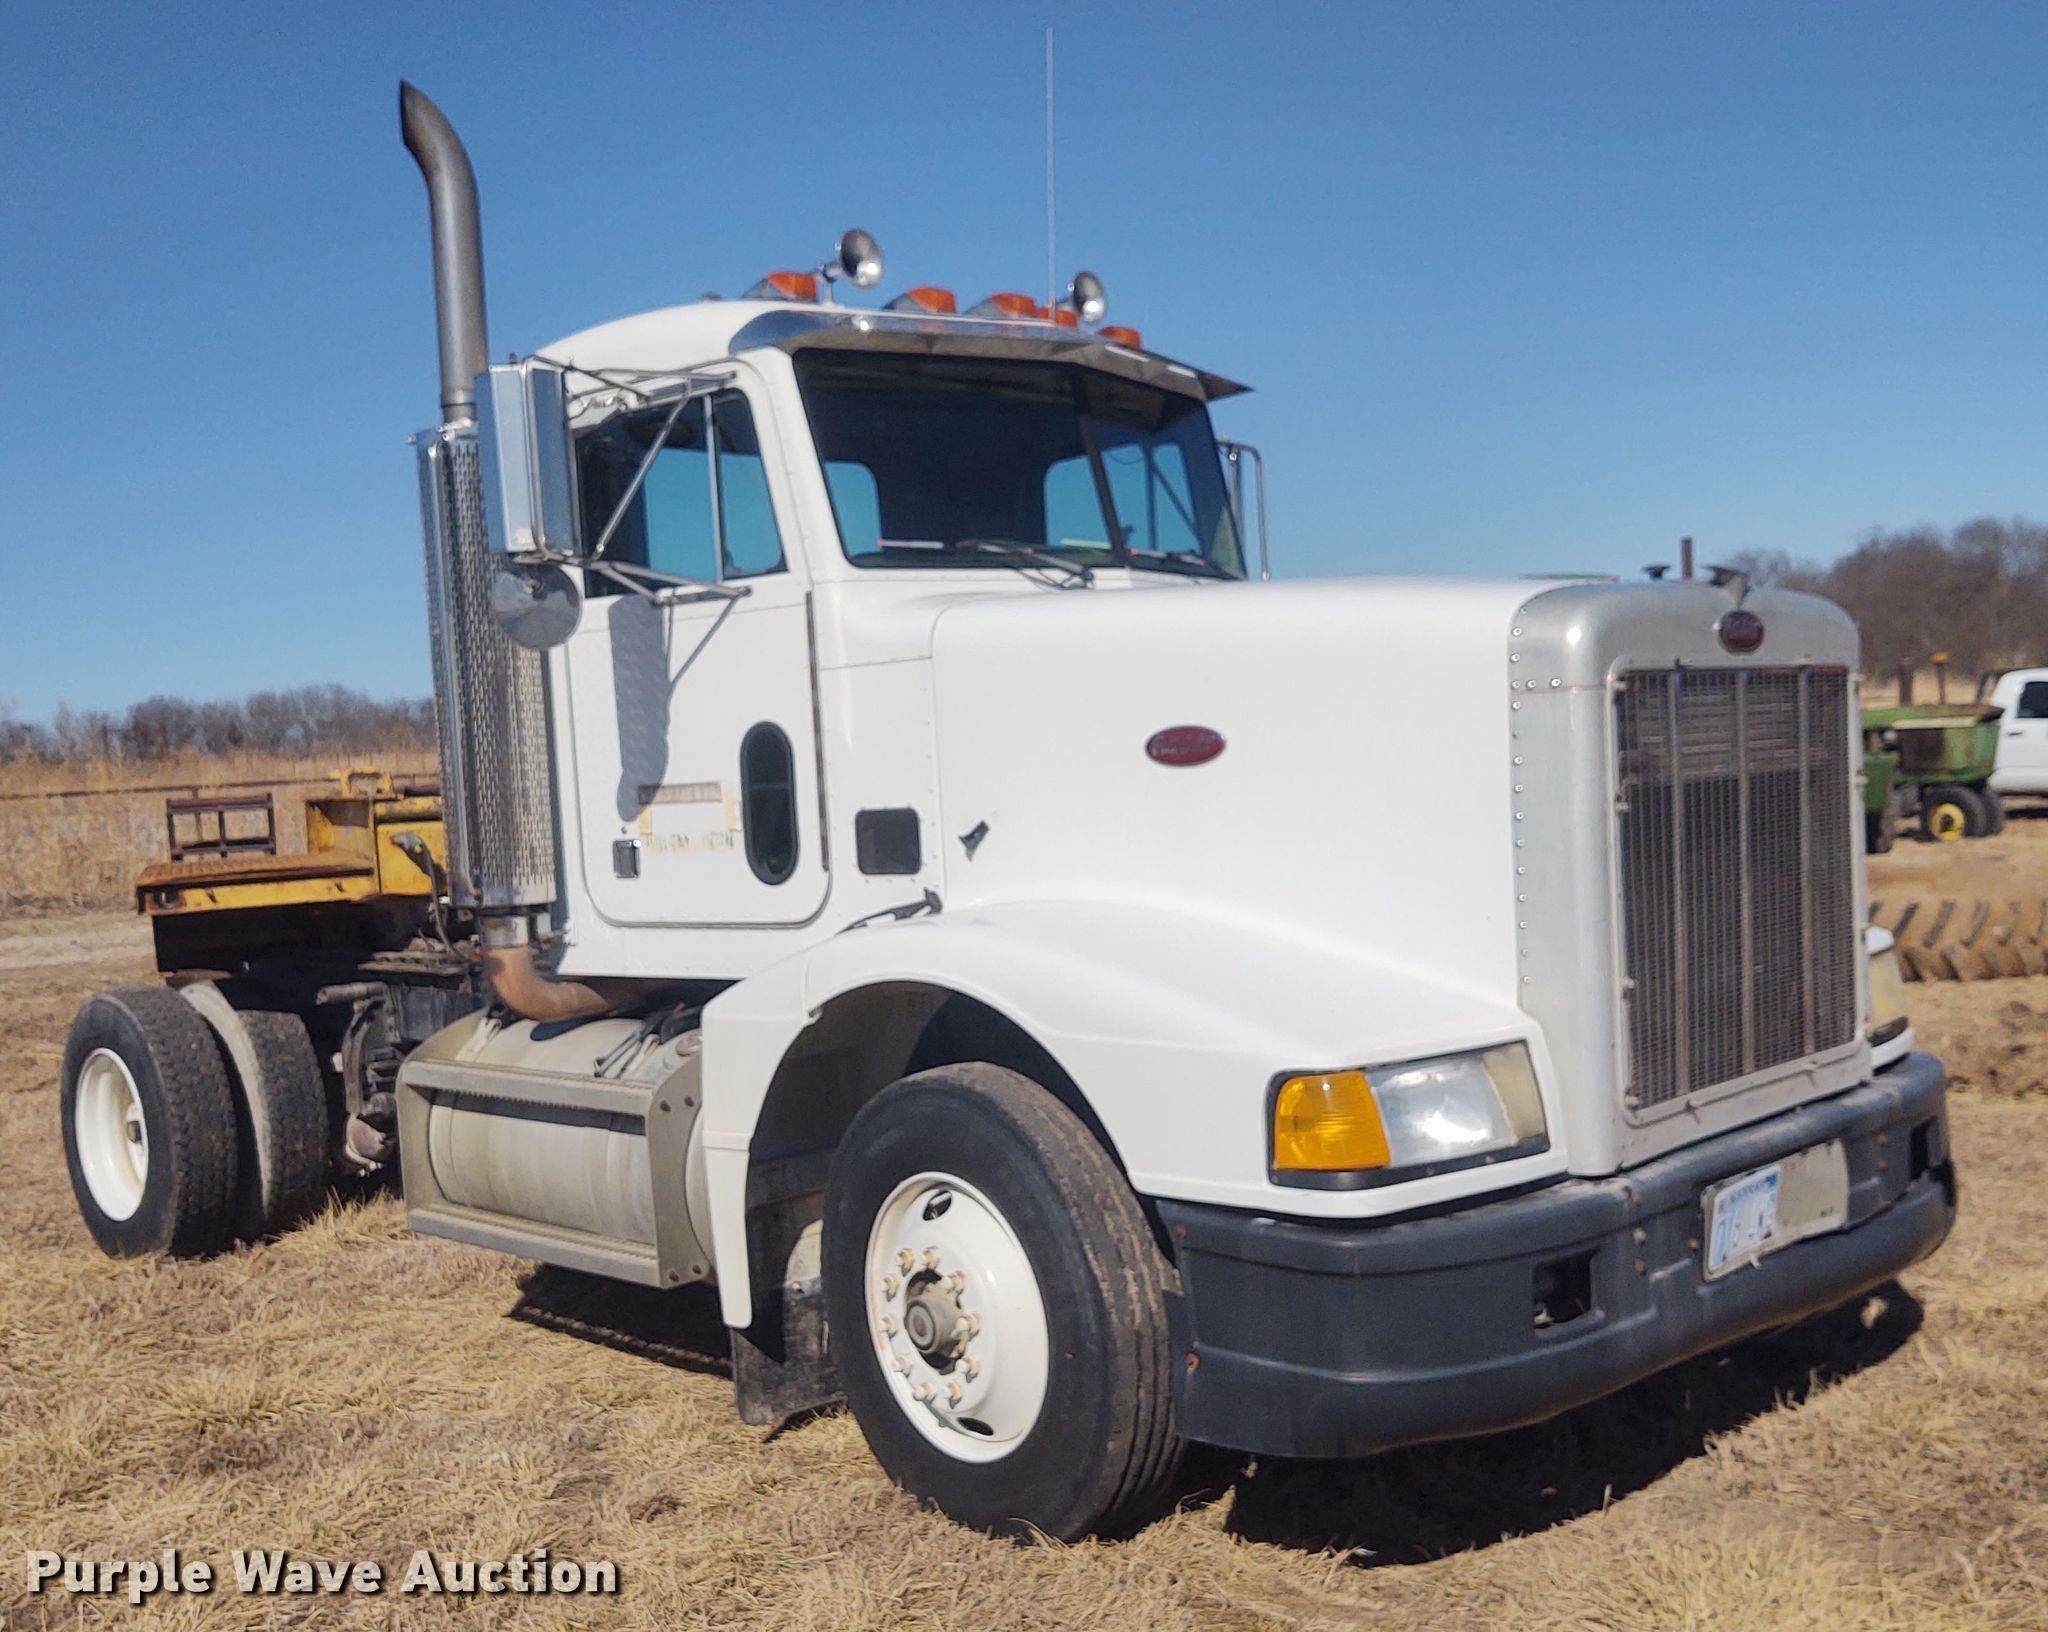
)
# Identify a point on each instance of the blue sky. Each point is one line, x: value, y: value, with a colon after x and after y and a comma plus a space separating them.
x: 1521, y: 286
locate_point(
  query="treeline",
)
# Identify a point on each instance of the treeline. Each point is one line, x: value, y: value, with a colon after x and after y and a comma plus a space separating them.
x: 1979, y: 593
x: 309, y: 720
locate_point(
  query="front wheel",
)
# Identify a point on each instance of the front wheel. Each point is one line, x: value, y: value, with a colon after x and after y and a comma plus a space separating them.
x: 998, y: 1307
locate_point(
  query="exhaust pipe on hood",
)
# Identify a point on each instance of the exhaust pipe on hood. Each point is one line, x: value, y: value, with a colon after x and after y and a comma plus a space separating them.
x: 458, y: 249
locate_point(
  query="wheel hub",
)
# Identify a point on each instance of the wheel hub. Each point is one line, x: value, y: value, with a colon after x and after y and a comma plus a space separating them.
x: 957, y: 1318
x: 112, y: 1135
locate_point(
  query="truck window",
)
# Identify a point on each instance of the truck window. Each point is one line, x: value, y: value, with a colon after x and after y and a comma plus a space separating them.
x: 746, y: 517
x: 2033, y: 703
x: 680, y: 521
x: 923, y: 454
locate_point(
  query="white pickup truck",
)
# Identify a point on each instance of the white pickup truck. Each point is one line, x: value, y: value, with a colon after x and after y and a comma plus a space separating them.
x: 2022, y: 763
x: 904, y: 869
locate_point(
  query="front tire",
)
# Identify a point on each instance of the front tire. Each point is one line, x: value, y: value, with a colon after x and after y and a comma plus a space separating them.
x: 149, y: 1125
x: 998, y: 1307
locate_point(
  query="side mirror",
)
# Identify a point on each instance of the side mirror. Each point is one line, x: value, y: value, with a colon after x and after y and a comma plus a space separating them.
x: 1244, y: 470
x: 529, y: 468
x: 526, y: 458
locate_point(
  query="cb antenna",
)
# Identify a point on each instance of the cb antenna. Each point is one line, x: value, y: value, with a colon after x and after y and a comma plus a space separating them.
x: 1051, y: 273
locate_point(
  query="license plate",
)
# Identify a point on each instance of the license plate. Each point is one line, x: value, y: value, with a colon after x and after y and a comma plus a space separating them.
x: 1754, y: 1214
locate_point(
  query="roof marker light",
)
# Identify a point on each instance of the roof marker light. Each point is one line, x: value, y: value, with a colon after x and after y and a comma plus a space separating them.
x: 785, y: 286
x: 1009, y: 304
x: 1065, y: 317
x: 924, y: 298
x: 1116, y: 334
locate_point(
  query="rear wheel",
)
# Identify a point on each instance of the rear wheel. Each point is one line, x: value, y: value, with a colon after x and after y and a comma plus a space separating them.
x: 1994, y: 809
x: 998, y: 1307
x: 149, y: 1125
x: 280, y: 1112
x: 1880, y: 827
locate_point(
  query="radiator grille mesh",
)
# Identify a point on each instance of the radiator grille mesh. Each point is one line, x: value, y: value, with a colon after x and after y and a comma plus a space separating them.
x: 1737, y: 890
x: 490, y: 695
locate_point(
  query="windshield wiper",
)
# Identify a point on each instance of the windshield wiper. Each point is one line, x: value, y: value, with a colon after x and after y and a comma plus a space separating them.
x: 1182, y: 561
x: 1027, y: 555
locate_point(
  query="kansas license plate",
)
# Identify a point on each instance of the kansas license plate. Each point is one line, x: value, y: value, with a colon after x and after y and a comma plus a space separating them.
x: 1754, y: 1214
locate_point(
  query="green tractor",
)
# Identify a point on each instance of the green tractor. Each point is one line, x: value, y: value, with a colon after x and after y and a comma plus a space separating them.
x: 1933, y: 759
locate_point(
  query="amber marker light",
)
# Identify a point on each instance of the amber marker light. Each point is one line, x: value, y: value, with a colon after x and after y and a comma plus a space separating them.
x: 1328, y: 1124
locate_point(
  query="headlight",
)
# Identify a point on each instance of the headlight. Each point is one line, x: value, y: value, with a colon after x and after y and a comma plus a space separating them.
x: 1389, y: 1121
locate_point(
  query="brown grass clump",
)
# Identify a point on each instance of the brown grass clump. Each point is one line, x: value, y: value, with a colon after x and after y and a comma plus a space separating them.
x: 74, y: 836
x: 353, y: 1392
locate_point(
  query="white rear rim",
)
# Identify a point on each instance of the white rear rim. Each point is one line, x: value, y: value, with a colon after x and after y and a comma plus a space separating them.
x: 956, y: 1317
x: 113, y: 1138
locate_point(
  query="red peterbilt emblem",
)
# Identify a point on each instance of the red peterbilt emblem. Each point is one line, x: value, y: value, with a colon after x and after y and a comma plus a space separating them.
x: 1740, y: 630
x: 1184, y: 745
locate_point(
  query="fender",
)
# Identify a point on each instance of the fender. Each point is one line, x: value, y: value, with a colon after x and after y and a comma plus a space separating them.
x: 1173, y: 1027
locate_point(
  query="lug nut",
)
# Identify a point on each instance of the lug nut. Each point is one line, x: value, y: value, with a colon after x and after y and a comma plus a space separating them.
x: 970, y: 1324
x: 971, y: 1366
x: 889, y: 1285
x: 925, y: 1391
x: 901, y: 1365
x: 953, y: 1393
x: 889, y: 1324
x: 956, y: 1282
x: 906, y: 1260
x: 931, y: 1257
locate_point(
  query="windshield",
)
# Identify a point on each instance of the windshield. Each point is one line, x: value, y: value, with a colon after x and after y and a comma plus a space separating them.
x: 972, y: 461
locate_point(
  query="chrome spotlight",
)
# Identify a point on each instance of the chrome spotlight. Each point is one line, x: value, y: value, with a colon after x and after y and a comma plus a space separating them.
x: 858, y: 260
x: 1087, y: 297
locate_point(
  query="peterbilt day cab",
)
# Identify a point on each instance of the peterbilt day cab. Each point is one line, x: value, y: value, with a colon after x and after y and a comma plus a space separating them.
x: 903, y: 868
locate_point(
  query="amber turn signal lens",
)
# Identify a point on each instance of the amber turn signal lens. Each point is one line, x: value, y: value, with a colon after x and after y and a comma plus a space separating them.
x: 1328, y: 1124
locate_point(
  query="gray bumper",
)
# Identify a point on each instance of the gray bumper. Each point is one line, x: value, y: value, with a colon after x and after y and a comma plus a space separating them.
x: 1311, y: 1339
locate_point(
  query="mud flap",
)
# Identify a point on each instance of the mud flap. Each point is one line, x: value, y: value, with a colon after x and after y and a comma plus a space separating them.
x: 782, y: 1363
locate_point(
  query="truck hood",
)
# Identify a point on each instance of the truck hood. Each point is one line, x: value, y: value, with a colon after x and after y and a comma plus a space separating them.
x: 1366, y: 765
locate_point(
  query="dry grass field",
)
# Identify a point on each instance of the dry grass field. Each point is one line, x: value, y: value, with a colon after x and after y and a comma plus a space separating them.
x: 350, y: 1392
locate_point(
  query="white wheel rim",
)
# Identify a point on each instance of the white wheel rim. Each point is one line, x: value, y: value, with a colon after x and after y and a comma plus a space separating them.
x: 956, y: 1316
x: 113, y: 1137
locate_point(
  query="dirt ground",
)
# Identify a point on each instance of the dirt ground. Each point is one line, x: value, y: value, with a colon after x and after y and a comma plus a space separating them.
x: 351, y: 1392
x: 2015, y: 862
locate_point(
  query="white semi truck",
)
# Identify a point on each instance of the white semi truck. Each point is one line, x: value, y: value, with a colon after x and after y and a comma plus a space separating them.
x: 903, y: 869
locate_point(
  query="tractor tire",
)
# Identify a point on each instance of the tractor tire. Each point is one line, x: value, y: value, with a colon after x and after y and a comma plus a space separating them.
x: 997, y: 1304
x: 149, y: 1125
x: 1948, y: 938
x: 1994, y: 809
x: 1880, y: 829
x: 281, y: 1115
x: 1949, y: 813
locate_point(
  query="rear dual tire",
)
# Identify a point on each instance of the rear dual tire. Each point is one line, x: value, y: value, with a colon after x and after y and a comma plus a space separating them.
x: 189, y: 1124
x: 149, y: 1125
x: 997, y: 1305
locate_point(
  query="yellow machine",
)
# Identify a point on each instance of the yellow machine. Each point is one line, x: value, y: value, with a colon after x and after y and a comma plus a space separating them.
x: 373, y: 837
x: 349, y: 936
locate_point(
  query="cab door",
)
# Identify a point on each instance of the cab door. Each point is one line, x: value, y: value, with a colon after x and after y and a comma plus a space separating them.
x: 694, y: 748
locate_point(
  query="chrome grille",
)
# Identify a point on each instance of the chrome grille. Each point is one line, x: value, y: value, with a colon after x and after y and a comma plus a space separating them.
x: 1737, y: 890
x: 490, y: 696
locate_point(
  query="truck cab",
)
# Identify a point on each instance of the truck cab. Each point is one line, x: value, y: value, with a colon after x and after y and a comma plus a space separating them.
x: 2022, y: 759
x: 915, y: 875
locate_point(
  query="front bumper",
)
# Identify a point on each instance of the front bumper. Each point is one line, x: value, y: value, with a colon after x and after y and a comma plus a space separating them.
x: 1308, y: 1339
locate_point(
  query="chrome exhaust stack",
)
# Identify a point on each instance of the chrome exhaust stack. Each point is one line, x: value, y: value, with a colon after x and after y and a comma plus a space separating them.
x: 458, y: 249
x: 490, y: 693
